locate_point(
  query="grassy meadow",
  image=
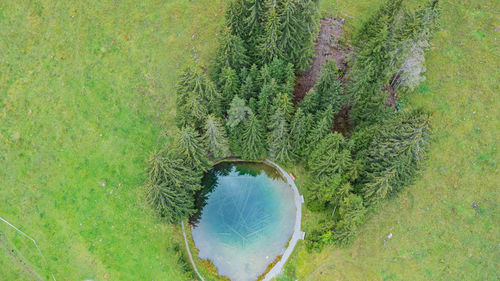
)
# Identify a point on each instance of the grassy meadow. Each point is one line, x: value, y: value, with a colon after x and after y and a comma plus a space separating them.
x: 86, y: 93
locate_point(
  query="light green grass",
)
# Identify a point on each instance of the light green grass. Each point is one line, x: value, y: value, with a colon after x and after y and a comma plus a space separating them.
x: 111, y: 69
x: 83, y: 100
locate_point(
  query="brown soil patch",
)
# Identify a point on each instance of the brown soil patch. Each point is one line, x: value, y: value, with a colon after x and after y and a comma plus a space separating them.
x: 327, y: 48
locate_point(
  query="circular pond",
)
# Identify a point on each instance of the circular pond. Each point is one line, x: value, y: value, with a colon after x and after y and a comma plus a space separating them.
x: 247, y: 215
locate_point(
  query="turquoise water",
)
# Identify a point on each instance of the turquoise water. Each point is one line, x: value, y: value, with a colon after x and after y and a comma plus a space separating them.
x: 247, y: 218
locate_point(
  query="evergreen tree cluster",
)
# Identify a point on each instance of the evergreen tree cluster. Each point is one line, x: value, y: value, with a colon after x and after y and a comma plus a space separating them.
x: 389, y: 54
x: 242, y: 106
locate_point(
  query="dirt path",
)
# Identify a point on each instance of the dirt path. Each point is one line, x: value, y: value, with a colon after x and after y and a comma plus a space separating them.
x: 189, y: 252
x: 327, y: 48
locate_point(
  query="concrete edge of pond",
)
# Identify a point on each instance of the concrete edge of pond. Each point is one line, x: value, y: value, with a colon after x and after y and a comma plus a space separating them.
x: 297, y: 235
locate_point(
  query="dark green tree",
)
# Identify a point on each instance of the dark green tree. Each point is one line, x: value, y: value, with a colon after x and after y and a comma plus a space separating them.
x: 171, y: 186
x: 395, y: 155
x: 321, y: 129
x: 297, y: 33
x: 352, y: 215
x: 253, y: 139
x: 250, y: 87
x: 196, y: 97
x: 269, y: 47
x: 231, y: 52
x: 267, y: 95
x: 229, y: 86
x: 215, y: 137
x: 300, y: 129
x: 238, y: 115
x: 189, y: 146
x: 280, y: 148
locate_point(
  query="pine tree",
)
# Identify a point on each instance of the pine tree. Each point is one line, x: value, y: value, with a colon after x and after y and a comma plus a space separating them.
x: 329, y: 88
x: 253, y: 139
x: 190, y: 146
x: 236, y: 12
x: 231, y: 52
x: 171, y: 186
x: 230, y: 87
x: 255, y: 26
x: 250, y: 88
x: 238, y: 112
x: 321, y: 129
x: 215, y: 138
x: 352, y: 214
x: 238, y: 115
x: 283, y: 103
x: 267, y: 95
x: 395, y: 154
x: 279, y: 139
x: 269, y: 47
x: 196, y: 97
x: 300, y: 129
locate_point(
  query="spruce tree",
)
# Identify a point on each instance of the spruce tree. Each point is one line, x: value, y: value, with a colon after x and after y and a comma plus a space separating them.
x: 171, y: 186
x: 300, y: 129
x: 257, y: 10
x: 189, y: 146
x: 238, y: 115
x: 321, y: 129
x: 231, y: 52
x: 196, y: 97
x: 238, y: 112
x: 395, y: 154
x: 268, y: 93
x: 352, y: 214
x: 215, y: 138
x: 230, y: 86
x: 253, y: 139
x: 280, y: 148
x: 250, y: 87
x: 269, y: 47
x: 295, y: 28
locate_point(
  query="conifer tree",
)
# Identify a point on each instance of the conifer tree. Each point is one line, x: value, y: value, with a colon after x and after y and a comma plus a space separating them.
x: 279, y: 139
x: 257, y: 10
x: 268, y: 93
x: 238, y: 112
x: 196, y: 97
x: 215, y: 137
x: 269, y: 47
x: 296, y: 31
x: 236, y: 13
x: 250, y: 87
x: 171, y: 186
x: 283, y: 103
x: 231, y: 52
x: 189, y: 146
x: 230, y: 86
x: 352, y: 214
x: 253, y: 139
x: 322, y: 128
x: 238, y: 115
x: 300, y: 129
x: 395, y: 154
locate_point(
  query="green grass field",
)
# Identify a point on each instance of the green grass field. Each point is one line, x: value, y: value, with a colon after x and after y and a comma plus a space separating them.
x: 86, y: 92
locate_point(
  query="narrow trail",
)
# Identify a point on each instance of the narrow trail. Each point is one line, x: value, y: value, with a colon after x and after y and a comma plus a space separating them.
x: 189, y: 252
x: 327, y: 48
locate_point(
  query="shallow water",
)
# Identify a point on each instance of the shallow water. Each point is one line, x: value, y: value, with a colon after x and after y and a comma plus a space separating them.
x: 247, y: 220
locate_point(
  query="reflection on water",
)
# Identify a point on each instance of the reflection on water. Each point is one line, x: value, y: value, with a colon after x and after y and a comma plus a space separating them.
x: 247, y: 216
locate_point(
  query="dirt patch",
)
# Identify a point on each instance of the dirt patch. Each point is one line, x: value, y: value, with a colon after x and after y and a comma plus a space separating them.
x: 327, y: 48
x: 391, y: 98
